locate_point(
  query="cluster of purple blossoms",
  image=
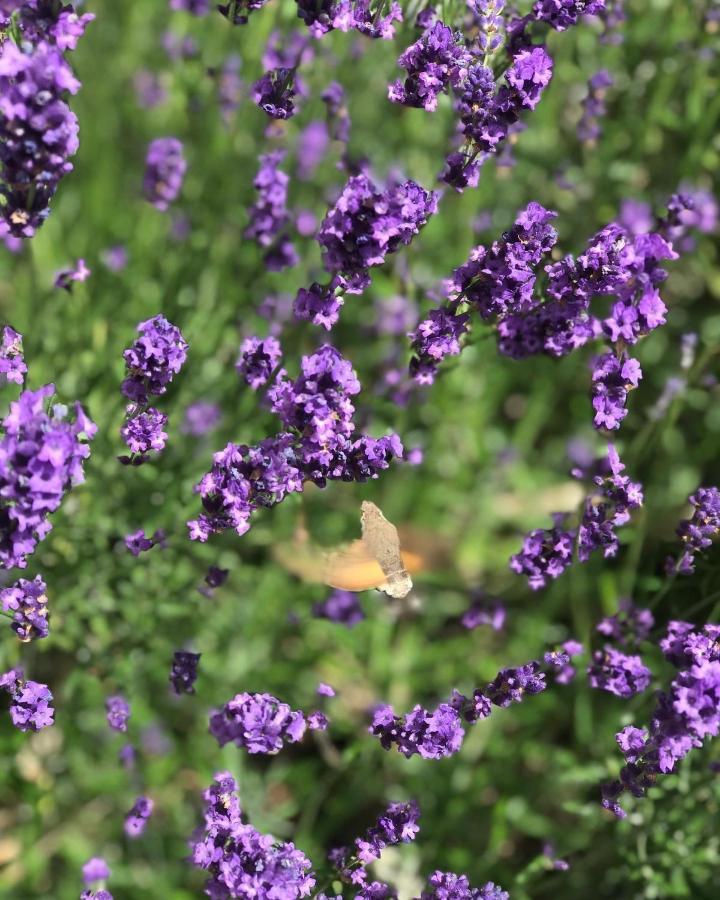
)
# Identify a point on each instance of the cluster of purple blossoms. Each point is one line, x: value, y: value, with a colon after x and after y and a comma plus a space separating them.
x: 164, y: 172
x: 269, y: 214
x: 117, y: 711
x: 41, y: 458
x: 240, y: 861
x: 559, y: 661
x: 12, y: 361
x: 151, y: 362
x: 365, y: 225
x: 629, y: 625
x: 434, y: 63
x: 438, y: 734
x: 369, y: 17
x: 137, y: 819
x: 260, y: 723
x: 38, y: 130
x: 138, y: 542
x: 342, y: 607
x: 184, y: 672
x: 545, y: 554
x: 689, y: 210
x: 320, y: 303
x: 274, y: 93
x: 685, y: 715
x: 316, y: 410
x: 27, y: 601
x: 449, y: 886
x: 618, y: 673
x: 562, y: 14
x: 95, y: 869
x: 588, y: 129
x: 607, y: 509
x: 613, y: 377
x: 238, y: 11
x: 30, y: 708
x: 698, y: 531
x: 489, y: 112
x: 259, y: 359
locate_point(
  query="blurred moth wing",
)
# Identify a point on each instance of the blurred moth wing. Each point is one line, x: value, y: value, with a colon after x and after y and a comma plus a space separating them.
x: 383, y: 543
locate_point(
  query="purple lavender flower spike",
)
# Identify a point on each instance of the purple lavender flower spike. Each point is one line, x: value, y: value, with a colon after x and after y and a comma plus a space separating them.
x: 562, y: 14
x: 95, y: 869
x: 434, y: 63
x: 27, y: 601
x: 201, y: 418
x: 164, y: 172
x: 41, y: 458
x: 449, y: 886
x: 137, y: 819
x: 12, y: 361
x: 613, y: 378
x: 274, y: 93
x: 618, y: 673
x: 259, y: 358
x: 153, y: 360
x: 258, y: 722
x: 398, y: 824
x: 545, y: 554
x: 30, y: 708
x: 184, y: 671
x: 239, y: 859
x: 118, y: 712
x: 143, y: 432
x: 698, y: 531
x: 588, y: 128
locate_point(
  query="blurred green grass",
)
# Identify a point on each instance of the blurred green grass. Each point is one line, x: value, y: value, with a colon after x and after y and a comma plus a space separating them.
x: 494, y: 435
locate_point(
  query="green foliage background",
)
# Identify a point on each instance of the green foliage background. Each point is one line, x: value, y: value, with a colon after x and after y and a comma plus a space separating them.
x: 494, y: 434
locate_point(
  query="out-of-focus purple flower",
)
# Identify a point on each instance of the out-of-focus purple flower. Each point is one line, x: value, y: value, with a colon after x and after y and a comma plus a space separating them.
x: 594, y: 109
x: 636, y: 217
x: 27, y: 602
x: 698, y: 531
x: 312, y: 147
x: 274, y: 93
x: 137, y: 819
x: 184, y: 672
x: 484, y: 612
x: 165, y: 168
x: 66, y: 278
x: 95, y: 869
x: 117, y: 712
x: 342, y: 607
x: 138, y: 543
x: 239, y: 859
x: 434, y: 63
x: 115, y: 258
x: 559, y: 661
x: 126, y: 755
x: 325, y: 690
x: 229, y: 87
x: 153, y: 360
x: 259, y: 358
x: 630, y: 624
x: 258, y: 722
x: 195, y: 7
x: 41, y: 458
x: 179, y: 47
x: 201, y: 418
x: 216, y: 577
x: 149, y: 89
x: 12, y: 361
x: 30, y: 708
x: 306, y: 223
x: 337, y: 113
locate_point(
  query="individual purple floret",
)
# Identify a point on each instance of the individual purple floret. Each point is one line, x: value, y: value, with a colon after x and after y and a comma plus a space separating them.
x: 12, y: 361
x: 613, y: 378
x: 398, y: 824
x: 164, y: 172
x: 144, y: 432
x: 27, y: 602
x: 117, y: 712
x: 545, y: 553
x: 138, y: 543
x: 616, y: 672
x: 238, y: 11
x: 684, y: 716
x: 342, y: 607
x: 95, y: 869
x: 137, y: 819
x: 259, y: 359
x: 78, y: 273
x: 258, y: 722
x: 365, y: 225
x: 30, y: 708
x: 630, y: 624
x: 434, y: 63
x: 698, y: 531
x: 241, y: 861
x: 449, y: 886
x: 153, y: 360
x: 41, y: 458
x: 274, y: 93
x: 588, y: 129
x: 38, y: 132
x: 184, y: 672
